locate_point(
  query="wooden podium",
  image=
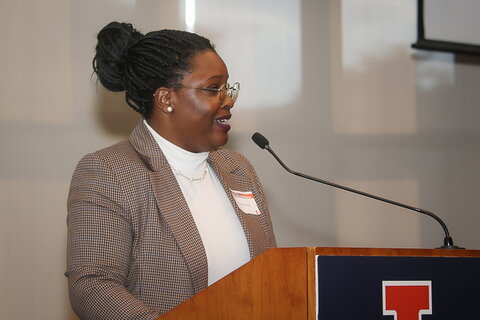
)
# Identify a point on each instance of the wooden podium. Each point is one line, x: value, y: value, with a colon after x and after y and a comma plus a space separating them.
x: 281, y: 284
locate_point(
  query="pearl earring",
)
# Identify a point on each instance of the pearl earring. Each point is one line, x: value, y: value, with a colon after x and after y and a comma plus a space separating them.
x: 169, y: 109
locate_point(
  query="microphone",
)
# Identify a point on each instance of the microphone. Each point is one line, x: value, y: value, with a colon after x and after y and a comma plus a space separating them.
x: 263, y: 143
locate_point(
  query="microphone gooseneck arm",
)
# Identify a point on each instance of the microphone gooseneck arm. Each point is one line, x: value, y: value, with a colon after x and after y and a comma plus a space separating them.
x: 263, y: 143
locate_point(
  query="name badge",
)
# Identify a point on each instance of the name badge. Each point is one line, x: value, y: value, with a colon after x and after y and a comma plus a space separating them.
x: 246, y: 201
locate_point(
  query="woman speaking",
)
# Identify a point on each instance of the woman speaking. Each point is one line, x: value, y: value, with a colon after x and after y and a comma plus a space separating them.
x: 155, y: 219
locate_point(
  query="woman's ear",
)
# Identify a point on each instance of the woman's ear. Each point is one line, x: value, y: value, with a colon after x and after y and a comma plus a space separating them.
x: 162, y: 100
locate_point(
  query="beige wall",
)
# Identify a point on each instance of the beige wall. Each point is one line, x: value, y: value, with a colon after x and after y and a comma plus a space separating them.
x: 333, y: 84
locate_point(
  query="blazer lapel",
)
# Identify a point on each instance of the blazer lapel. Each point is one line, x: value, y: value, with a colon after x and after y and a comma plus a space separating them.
x: 172, y: 206
x: 175, y: 211
x: 234, y: 177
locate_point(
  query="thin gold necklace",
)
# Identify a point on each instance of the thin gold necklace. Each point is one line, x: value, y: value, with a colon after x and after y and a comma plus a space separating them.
x: 179, y: 173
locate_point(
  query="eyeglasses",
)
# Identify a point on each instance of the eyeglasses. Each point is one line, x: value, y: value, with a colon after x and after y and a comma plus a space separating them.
x: 225, y: 90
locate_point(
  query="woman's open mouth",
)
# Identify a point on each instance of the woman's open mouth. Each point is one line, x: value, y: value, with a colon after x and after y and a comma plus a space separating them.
x: 222, y: 122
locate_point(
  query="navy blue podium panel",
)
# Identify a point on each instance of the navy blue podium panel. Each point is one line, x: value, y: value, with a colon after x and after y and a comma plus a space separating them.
x: 397, y: 288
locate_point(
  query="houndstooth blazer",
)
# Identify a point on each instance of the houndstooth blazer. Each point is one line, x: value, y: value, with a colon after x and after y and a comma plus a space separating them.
x: 133, y: 249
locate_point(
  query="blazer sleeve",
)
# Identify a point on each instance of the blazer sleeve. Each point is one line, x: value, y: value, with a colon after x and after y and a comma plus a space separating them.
x: 99, y: 246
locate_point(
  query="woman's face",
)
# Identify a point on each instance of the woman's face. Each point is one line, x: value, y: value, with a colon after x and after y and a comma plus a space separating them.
x: 199, y: 119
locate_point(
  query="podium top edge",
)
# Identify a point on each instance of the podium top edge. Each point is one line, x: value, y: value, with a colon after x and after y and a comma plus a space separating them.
x: 394, y: 252
x: 357, y: 251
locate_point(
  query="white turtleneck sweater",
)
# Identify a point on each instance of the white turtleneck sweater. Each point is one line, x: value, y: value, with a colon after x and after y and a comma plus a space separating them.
x: 221, y: 232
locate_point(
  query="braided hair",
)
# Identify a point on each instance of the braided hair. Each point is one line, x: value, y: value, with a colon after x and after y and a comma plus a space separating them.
x: 126, y: 60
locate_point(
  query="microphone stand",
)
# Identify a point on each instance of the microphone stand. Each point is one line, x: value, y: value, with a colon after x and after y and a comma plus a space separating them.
x: 447, y: 241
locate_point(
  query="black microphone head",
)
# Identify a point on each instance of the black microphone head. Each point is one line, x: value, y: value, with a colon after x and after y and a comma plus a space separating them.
x: 260, y: 140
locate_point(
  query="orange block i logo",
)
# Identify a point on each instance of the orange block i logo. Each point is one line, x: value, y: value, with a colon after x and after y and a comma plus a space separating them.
x: 407, y: 300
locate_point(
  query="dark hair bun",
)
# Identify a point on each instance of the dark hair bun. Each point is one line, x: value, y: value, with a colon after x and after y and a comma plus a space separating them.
x: 111, y: 58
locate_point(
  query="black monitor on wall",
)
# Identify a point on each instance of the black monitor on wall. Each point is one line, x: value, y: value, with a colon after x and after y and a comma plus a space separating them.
x: 449, y: 26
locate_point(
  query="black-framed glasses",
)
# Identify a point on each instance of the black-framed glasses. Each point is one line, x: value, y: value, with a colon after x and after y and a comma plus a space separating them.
x: 225, y: 90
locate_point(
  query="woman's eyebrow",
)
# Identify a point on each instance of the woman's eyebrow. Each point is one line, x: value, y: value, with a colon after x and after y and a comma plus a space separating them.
x: 216, y: 77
